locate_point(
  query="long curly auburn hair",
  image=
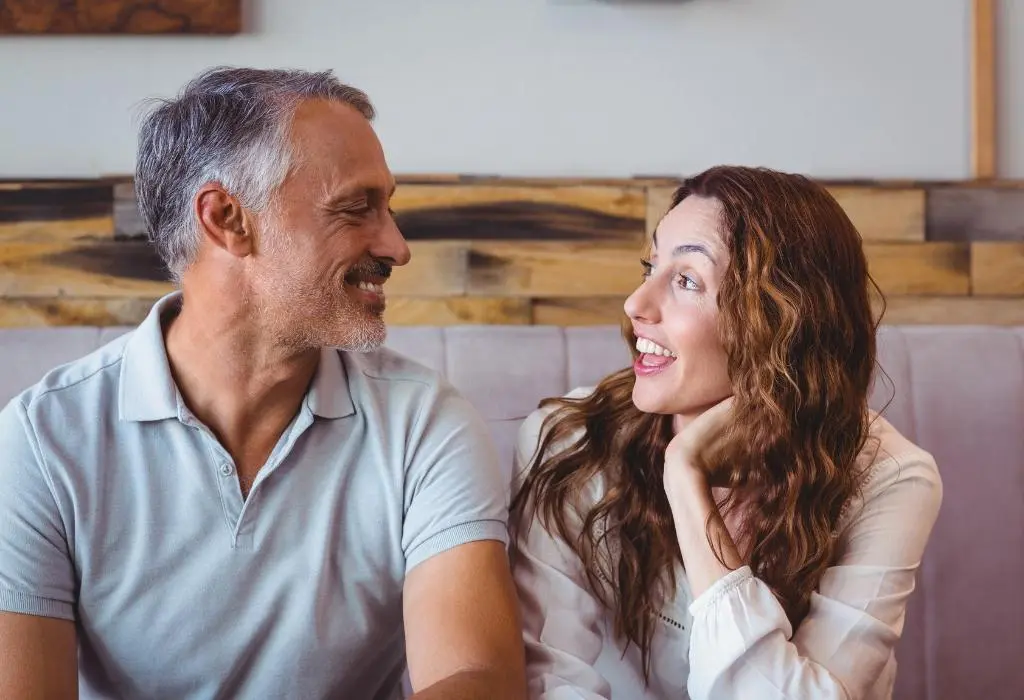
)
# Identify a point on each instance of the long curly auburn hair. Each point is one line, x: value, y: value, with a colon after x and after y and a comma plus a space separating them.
x: 795, y: 319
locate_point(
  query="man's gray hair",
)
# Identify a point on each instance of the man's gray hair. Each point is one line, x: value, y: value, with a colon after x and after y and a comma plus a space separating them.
x: 228, y: 125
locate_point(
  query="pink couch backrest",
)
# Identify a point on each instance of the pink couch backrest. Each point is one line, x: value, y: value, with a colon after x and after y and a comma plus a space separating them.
x: 957, y: 391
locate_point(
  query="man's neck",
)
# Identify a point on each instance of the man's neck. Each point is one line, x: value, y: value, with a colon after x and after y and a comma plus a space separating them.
x: 241, y: 383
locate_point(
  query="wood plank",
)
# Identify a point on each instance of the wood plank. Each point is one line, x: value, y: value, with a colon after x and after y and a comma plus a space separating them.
x: 55, y: 200
x: 128, y: 221
x: 54, y: 231
x: 567, y: 269
x: 454, y: 311
x: 578, y: 311
x: 498, y: 211
x: 879, y: 213
x: 927, y: 269
x: 121, y: 17
x: 73, y: 312
x: 91, y: 268
x: 658, y: 201
x: 437, y: 269
x: 954, y: 311
x: 884, y: 214
x: 105, y: 268
x: 553, y: 269
x: 965, y: 213
x: 983, y: 89
x: 997, y: 269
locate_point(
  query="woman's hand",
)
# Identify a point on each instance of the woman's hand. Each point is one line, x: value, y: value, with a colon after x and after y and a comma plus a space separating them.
x: 685, y: 454
x: 703, y: 536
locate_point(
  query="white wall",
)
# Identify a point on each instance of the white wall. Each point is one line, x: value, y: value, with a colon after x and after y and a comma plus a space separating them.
x: 834, y: 88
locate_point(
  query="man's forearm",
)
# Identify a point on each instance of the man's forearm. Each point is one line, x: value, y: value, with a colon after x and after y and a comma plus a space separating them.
x: 475, y: 685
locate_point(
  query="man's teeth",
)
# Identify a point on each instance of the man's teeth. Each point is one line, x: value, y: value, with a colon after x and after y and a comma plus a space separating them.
x: 371, y: 287
x: 649, y: 347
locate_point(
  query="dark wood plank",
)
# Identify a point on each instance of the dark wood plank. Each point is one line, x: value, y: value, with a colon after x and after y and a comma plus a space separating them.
x: 55, y: 200
x: 976, y: 214
x: 121, y: 17
x: 503, y: 212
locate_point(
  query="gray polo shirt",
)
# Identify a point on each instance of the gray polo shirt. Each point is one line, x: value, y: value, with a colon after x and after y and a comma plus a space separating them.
x: 121, y: 511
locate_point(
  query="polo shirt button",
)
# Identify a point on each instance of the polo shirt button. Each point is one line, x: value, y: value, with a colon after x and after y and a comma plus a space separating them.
x: 226, y: 469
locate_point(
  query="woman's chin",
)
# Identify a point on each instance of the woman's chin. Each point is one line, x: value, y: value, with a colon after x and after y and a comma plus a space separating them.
x: 651, y: 402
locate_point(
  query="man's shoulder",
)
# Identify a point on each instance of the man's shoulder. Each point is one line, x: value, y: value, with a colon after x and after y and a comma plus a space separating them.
x: 74, y: 381
x: 387, y: 365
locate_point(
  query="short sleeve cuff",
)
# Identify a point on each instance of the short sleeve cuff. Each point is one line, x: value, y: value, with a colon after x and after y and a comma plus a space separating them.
x: 17, y: 602
x: 455, y: 535
x: 719, y: 589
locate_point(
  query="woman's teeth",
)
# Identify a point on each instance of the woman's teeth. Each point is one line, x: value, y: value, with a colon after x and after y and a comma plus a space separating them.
x: 649, y: 347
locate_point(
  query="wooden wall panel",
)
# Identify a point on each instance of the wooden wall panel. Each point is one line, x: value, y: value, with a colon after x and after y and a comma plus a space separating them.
x: 514, y: 251
x: 121, y: 17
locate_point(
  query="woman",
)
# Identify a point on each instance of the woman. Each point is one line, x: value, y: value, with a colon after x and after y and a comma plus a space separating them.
x: 726, y: 518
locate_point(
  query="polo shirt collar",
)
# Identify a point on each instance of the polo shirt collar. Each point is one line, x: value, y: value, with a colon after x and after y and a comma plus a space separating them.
x: 329, y: 395
x: 148, y: 393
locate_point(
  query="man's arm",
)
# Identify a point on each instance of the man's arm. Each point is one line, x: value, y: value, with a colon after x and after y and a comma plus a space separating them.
x: 463, y: 638
x: 38, y: 658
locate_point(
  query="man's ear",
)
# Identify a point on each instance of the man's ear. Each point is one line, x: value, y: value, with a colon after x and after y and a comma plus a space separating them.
x: 223, y: 221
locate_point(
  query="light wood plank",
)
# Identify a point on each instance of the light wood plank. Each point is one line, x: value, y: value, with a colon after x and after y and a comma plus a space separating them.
x: 954, y: 311
x: 578, y: 311
x: 454, y: 311
x: 73, y: 312
x: 553, y: 269
x: 983, y: 89
x: 879, y: 213
x: 437, y: 269
x: 503, y: 211
x: 658, y: 201
x: 53, y: 231
x: 997, y: 269
x: 926, y: 269
x: 884, y: 214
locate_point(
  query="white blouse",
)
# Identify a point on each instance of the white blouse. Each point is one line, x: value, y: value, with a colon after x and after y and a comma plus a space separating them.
x: 734, y: 641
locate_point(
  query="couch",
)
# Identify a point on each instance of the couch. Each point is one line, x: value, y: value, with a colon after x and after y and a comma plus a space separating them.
x: 958, y: 391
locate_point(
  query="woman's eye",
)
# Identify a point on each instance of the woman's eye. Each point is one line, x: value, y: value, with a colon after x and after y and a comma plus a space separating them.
x: 686, y: 282
x: 647, y: 268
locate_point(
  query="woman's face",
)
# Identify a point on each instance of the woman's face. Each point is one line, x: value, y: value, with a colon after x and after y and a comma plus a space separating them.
x: 682, y: 368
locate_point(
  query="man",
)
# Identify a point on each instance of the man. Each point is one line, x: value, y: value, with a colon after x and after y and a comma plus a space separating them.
x: 223, y: 503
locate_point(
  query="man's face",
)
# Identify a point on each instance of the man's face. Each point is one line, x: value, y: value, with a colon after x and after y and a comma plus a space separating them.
x: 327, y: 243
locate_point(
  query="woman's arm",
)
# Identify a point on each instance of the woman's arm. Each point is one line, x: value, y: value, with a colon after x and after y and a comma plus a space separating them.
x: 742, y: 644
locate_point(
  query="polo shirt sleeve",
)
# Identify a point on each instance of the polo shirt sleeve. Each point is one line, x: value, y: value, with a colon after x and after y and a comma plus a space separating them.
x: 454, y: 490
x: 36, y: 570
